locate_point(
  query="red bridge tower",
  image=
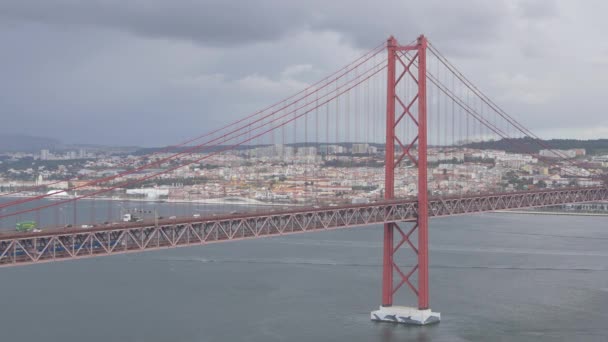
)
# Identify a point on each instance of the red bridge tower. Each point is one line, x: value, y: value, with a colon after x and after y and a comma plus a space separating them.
x: 399, y: 111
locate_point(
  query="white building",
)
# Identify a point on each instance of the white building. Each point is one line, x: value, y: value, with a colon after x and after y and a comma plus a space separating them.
x: 360, y: 148
x: 307, y: 151
x: 571, y: 153
x: 150, y: 193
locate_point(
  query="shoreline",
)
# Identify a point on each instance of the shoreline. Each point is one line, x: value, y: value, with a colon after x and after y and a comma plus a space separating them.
x: 536, y: 212
x: 211, y: 201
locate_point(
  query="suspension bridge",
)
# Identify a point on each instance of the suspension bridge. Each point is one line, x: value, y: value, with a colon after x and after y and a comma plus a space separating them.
x: 427, y: 120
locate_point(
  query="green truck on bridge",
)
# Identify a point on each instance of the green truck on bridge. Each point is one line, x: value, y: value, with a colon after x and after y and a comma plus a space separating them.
x: 26, y: 226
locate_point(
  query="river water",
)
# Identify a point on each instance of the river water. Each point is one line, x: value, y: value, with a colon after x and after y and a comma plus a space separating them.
x: 494, y: 277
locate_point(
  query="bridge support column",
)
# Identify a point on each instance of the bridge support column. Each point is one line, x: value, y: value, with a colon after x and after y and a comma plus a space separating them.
x: 421, y: 314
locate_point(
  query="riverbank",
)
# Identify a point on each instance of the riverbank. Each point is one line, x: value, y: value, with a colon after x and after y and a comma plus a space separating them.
x: 537, y: 212
x: 215, y: 201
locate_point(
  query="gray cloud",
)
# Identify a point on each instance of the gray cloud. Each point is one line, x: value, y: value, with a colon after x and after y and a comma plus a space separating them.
x: 215, y: 22
x: 539, y: 9
x: 225, y: 23
x: 71, y: 65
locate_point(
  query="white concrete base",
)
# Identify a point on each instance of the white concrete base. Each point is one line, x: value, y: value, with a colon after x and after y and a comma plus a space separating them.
x: 405, y: 315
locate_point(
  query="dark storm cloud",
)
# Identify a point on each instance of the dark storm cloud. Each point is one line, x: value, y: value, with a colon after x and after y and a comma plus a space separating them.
x: 216, y: 22
x: 221, y: 22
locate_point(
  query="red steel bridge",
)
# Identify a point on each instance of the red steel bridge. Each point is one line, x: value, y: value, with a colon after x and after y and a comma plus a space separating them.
x: 430, y: 121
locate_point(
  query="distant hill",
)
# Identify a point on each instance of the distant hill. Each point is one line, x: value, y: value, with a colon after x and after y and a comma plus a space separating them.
x: 529, y: 145
x: 32, y: 144
x: 26, y: 143
x: 215, y: 148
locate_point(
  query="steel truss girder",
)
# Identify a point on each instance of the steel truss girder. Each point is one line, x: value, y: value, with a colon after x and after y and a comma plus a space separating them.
x: 28, y: 248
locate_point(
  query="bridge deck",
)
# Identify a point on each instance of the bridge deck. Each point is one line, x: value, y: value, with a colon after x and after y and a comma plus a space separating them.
x: 73, y: 243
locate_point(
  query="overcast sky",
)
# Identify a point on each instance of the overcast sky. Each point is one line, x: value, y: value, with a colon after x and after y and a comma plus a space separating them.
x: 96, y: 71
